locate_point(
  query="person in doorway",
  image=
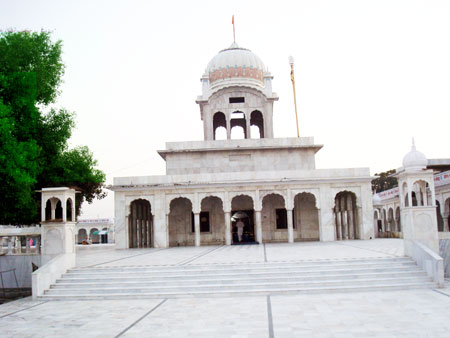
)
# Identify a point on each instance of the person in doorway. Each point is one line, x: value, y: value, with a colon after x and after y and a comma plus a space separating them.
x: 240, y: 229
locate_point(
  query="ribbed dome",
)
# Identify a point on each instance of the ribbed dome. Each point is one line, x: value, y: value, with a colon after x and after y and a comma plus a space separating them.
x: 235, y: 62
x: 414, y: 159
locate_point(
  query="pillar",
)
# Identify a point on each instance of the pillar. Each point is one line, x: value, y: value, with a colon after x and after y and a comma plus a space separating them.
x: 290, y: 225
x: 227, y: 227
x: 197, y: 228
x: 38, y: 244
x: 228, y: 128
x: 351, y: 224
x: 10, y: 245
x: 338, y: 223
x: 258, y: 226
x: 446, y: 227
x: 27, y: 244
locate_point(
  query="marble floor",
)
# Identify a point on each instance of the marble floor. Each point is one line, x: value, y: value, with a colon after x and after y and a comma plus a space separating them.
x: 408, y: 313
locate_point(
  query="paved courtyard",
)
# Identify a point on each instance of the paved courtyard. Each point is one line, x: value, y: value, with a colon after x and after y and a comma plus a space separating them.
x: 409, y: 313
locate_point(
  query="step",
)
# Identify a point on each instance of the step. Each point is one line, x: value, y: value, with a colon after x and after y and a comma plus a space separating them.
x: 130, y: 281
x: 255, y: 286
x: 240, y: 293
x: 157, y: 272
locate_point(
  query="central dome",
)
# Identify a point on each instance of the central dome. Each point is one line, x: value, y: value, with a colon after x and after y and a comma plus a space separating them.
x: 235, y: 63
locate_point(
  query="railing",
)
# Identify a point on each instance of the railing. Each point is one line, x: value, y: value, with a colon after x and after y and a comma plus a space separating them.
x: 3, y: 284
x: 17, y: 241
x: 429, y: 261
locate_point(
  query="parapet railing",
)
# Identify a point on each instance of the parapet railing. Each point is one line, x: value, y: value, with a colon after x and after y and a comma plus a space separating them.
x: 429, y: 261
x: 17, y: 241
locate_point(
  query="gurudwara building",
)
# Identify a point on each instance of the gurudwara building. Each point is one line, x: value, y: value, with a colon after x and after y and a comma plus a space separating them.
x: 269, y: 184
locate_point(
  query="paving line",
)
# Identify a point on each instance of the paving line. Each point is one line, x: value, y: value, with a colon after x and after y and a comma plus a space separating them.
x: 145, y: 315
x: 377, y: 251
x: 269, y: 317
x: 189, y: 260
x: 442, y: 293
x: 120, y: 259
x: 9, y: 314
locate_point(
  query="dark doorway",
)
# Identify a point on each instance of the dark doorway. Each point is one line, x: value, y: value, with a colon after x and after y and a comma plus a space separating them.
x: 248, y: 236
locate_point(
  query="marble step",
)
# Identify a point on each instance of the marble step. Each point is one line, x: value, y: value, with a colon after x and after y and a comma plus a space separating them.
x: 240, y: 293
x: 234, y: 287
x: 245, y: 265
x: 157, y: 271
x: 135, y: 280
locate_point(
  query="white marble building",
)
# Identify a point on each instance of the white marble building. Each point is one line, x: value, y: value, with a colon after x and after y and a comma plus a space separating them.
x: 388, y: 204
x: 271, y: 184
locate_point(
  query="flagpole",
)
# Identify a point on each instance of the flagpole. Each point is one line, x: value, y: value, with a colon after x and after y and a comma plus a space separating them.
x: 234, y: 32
x: 291, y: 62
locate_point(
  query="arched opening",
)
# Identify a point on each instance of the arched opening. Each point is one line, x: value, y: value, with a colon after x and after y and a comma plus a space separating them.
x: 257, y: 124
x: 447, y: 214
x: 420, y: 189
x: 48, y: 210
x: 242, y: 219
x: 377, y: 225
x: 181, y: 222
x: 414, y: 199
x: 274, y: 218
x: 82, y: 236
x: 346, y: 216
x: 398, y: 220
x: 140, y: 224
x: 104, y: 235
x: 238, y: 125
x: 58, y: 211
x: 69, y: 206
x: 212, y: 221
x: 391, y: 225
x: 219, y: 126
x: 440, y: 220
x: 305, y: 218
x: 93, y: 235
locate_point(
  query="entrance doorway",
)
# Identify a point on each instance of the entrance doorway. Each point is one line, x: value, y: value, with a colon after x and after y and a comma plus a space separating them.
x: 248, y: 228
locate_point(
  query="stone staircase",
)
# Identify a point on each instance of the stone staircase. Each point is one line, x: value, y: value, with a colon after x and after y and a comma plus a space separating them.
x: 226, y: 280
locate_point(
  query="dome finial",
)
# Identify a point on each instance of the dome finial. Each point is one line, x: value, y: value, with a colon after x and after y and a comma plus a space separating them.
x: 413, y: 147
x: 234, y: 32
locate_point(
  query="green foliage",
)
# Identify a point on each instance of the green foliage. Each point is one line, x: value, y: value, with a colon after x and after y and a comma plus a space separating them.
x: 34, y: 146
x: 384, y: 182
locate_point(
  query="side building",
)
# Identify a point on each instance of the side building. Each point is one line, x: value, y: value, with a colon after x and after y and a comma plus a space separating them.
x: 269, y: 185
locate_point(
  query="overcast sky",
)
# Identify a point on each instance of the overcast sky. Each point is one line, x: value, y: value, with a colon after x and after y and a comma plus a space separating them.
x: 370, y: 74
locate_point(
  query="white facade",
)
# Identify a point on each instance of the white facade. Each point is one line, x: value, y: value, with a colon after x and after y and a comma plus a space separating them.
x: 272, y: 182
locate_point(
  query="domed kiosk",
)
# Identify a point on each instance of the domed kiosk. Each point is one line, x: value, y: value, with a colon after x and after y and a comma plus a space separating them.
x: 267, y: 187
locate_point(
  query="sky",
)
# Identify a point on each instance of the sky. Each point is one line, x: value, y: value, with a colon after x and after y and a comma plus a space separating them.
x: 370, y: 75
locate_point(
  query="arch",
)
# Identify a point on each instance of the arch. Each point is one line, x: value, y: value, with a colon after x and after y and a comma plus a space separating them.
x: 237, y: 121
x: 419, y: 188
x: 82, y: 236
x: 69, y: 207
x: 219, y: 123
x: 243, y: 205
x: 181, y: 222
x: 306, y: 217
x: 274, y: 218
x: 391, y: 225
x: 95, y: 238
x: 398, y: 220
x: 257, y: 120
x: 212, y: 220
x: 53, y: 209
x: 440, y: 219
x: 140, y: 224
x: 346, y: 215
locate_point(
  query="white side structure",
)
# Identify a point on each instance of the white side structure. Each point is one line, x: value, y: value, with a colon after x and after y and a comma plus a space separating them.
x: 418, y: 211
x: 57, y: 222
x: 271, y: 183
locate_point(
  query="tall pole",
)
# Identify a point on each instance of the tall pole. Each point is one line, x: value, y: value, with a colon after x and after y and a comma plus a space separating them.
x: 234, y: 33
x: 291, y: 62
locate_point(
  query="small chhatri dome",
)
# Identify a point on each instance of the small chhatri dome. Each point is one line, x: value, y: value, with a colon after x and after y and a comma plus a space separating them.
x: 414, y: 160
x: 376, y: 199
x: 234, y: 63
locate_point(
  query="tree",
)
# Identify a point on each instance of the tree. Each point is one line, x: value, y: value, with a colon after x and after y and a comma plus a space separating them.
x: 384, y: 181
x: 34, y: 150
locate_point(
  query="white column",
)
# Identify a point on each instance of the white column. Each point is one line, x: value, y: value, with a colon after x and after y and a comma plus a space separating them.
x: 338, y: 224
x: 227, y: 228
x: 27, y: 244
x: 197, y: 228
x: 258, y: 226
x: 290, y: 225
x: 445, y: 217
